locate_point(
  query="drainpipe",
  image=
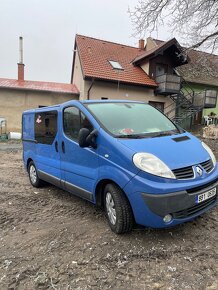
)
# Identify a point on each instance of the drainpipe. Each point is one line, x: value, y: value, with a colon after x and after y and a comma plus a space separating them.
x: 88, y: 93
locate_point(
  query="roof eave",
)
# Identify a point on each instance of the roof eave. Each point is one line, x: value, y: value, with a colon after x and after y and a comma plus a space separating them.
x: 38, y: 90
x: 88, y: 77
x: 156, y: 52
x: 204, y: 83
x: 73, y: 64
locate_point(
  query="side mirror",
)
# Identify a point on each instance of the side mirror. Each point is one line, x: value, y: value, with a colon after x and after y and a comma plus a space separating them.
x: 86, y: 138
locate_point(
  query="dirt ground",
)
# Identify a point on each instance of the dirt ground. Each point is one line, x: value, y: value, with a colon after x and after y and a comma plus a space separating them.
x: 50, y: 239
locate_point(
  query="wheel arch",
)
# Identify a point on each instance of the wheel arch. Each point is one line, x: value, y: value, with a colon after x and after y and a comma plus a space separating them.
x: 28, y: 162
x: 99, y: 198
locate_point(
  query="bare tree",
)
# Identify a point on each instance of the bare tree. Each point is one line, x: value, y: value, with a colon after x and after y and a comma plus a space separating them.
x: 195, y: 20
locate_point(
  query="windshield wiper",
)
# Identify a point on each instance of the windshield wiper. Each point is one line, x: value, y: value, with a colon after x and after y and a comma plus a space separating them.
x: 167, y: 133
x: 131, y: 136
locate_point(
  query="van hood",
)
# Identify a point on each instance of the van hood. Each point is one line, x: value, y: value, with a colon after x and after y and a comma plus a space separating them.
x: 176, y: 151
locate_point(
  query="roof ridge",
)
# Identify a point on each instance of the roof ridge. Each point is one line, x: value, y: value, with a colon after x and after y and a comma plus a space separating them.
x: 108, y: 41
x: 212, y: 54
x: 49, y: 82
x: 159, y: 39
x: 188, y: 49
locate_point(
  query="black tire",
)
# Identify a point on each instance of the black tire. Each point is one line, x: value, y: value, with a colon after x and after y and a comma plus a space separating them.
x: 118, y: 210
x: 33, y: 175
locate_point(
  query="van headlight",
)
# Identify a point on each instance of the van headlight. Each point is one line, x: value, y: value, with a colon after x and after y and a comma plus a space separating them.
x: 151, y: 164
x: 210, y: 152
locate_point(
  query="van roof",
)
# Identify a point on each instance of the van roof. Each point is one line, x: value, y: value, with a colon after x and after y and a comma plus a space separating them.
x: 49, y: 108
x: 109, y: 101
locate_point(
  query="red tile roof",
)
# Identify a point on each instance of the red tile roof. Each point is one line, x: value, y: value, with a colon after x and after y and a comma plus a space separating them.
x: 95, y: 55
x: 38, y: 86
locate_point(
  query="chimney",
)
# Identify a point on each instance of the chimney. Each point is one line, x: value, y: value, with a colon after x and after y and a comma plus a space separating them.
x: 20, y: 64
x: 141, y: 44
x: 150, y: 43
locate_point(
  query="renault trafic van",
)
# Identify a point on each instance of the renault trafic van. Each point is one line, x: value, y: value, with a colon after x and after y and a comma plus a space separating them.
x: 124, y: 156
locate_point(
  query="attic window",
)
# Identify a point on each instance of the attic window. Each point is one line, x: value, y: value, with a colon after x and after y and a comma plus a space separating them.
x: 115, y: 64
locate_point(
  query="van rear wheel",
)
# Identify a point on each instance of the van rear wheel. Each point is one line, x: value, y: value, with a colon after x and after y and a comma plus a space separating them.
x: 33, y: 175
x: 117, y: 209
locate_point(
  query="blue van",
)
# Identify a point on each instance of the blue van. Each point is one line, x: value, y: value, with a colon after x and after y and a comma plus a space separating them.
x: 124, y: 156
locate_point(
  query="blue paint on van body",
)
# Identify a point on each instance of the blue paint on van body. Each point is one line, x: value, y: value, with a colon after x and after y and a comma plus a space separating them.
x: 65, y: 164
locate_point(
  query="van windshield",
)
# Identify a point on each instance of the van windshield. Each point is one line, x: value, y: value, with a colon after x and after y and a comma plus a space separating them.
x: 131, y: 120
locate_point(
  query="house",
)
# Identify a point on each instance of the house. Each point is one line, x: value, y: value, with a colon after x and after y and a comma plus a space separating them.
x: 107, y: 70
x: 153, y: 72
x: 201, y: 74
x: 18, y: 95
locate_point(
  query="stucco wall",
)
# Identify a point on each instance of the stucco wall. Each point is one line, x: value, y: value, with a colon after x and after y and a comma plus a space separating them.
x: 145, y: 67
x: 114, y: 91
x: 14, y: 102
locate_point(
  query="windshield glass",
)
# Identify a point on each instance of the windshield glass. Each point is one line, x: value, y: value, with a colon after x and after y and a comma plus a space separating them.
x: 131, y: 119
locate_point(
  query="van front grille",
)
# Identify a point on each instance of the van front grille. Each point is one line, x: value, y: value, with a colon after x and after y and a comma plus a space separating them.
x: 188, y: 172
x: 184, y: 173
x: 194, y: 209
x: 207, y: 165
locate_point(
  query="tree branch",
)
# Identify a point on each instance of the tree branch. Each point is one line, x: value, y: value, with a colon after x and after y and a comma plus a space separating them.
x: 204, y: 40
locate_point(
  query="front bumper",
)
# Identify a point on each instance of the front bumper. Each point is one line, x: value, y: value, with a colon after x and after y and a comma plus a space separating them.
x: 180, y: 204
x: 151, y: 200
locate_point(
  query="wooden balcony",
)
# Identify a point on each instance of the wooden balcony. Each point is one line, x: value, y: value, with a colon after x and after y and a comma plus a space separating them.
x: 205, y: 99
x: 168, y: 84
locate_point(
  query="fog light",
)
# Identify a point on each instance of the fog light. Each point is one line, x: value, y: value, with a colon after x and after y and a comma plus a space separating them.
x: 167, y: 218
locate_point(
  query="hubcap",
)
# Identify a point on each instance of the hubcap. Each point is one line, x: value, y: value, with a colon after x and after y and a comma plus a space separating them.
x: 110, y: 208
x: 33, y: 175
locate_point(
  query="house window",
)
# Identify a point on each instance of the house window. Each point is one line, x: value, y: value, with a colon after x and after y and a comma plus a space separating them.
x: 116, y: 65
x: 161, y: 69
x: 45, y: 127
x: 157, y: 105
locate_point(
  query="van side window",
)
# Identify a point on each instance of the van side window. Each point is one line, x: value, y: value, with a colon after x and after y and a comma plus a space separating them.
x: 45, y: 127
x: 73, y: 121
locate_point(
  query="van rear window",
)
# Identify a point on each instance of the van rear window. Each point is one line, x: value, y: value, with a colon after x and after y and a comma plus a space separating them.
x: 45, y: 127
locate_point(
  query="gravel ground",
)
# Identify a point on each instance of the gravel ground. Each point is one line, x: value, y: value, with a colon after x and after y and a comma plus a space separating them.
x: 50, y: 239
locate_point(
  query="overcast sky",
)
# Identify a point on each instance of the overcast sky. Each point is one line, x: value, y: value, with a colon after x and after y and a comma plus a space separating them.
x: 49, y: 27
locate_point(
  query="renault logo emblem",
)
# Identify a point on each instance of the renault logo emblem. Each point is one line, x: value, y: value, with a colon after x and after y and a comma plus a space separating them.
x: 199, y: 171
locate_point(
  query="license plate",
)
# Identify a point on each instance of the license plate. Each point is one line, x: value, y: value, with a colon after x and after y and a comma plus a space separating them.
x: 206, y: 195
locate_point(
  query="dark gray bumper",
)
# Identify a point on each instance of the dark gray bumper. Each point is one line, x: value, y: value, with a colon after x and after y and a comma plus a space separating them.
x: 180, y: 203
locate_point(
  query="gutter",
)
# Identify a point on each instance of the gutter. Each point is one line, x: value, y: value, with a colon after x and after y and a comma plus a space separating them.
x: 89, y: 90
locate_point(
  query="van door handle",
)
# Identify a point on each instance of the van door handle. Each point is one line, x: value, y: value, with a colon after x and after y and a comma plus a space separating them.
x: 56, y: 146
x: 63, y: 147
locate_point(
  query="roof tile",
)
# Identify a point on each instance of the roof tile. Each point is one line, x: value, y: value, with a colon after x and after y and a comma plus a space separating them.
x: 202, y: 68
x: 95, y: 55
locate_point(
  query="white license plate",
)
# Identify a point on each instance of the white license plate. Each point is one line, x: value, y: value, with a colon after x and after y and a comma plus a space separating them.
x: 206, y: 195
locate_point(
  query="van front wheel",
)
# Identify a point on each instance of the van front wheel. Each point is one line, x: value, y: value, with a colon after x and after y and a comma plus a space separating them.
x: 117, y: 209
x: 33, y: 175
